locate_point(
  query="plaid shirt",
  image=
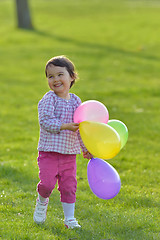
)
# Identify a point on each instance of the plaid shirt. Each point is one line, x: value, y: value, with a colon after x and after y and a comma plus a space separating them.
x: 53, y: 112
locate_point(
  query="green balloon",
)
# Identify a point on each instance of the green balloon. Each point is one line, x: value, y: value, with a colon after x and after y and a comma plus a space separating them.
x: 121, y: 129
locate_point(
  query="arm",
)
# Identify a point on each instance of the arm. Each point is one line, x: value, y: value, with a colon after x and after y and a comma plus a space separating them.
x: 87, y: 155
x: 47, y: 119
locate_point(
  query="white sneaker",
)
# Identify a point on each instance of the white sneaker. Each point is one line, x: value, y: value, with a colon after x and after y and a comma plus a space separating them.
x: 40, y: 212
x: 72, y: 223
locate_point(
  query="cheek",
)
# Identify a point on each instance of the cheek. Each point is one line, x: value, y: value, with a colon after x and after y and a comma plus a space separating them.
x: 50, y: 84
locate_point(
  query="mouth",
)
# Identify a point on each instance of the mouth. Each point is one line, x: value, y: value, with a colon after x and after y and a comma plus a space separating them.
x: 58, y: 85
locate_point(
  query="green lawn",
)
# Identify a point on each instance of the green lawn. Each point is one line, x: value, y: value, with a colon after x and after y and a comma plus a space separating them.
x: 116, y: 48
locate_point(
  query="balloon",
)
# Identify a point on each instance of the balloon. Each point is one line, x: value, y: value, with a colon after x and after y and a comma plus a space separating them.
x: 91, y: 111
x: 121, y: 129
x: 103, y: 179
x: 100, y: 139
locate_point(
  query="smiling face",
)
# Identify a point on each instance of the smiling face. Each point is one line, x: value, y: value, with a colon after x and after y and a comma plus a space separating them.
x: 59, y: 80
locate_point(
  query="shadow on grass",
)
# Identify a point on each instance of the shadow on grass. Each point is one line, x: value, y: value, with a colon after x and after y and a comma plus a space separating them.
x: 96, y: 46
x: 18, y: 178
x: 114, y: 232
x: 114, y: 227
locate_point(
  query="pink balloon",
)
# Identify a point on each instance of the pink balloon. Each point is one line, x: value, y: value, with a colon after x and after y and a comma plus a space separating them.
x: 91, y: 110
x: 103, y: 179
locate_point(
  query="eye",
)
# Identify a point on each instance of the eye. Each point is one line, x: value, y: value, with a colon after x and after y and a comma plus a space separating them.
x: 50, y: 77
x: 60, y: 74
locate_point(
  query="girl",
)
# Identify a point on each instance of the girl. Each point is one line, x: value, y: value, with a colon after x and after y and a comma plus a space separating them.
x: 59, y: 141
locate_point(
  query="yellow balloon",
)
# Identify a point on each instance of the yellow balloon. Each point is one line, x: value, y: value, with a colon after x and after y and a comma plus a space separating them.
x: 100, y: 139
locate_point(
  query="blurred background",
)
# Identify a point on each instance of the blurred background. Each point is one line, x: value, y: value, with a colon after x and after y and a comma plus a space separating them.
x: 115, y: 46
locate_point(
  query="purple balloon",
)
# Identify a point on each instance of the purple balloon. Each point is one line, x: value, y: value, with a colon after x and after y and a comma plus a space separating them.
x: 103, y: 179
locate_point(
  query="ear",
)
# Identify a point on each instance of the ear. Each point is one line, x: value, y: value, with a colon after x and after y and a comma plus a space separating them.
x: 73, y: 78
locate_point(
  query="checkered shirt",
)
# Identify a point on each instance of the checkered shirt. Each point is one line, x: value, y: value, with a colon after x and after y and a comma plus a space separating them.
x: 53, y: 111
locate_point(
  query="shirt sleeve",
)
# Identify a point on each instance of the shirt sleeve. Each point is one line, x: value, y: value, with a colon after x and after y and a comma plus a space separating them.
x: 47, y: 119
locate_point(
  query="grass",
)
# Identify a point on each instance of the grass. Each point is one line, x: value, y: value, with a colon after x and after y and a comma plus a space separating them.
x: 115, y: 47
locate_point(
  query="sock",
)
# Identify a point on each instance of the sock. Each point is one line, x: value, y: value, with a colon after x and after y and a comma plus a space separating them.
x: 68, y: 209
x: 42, y: 200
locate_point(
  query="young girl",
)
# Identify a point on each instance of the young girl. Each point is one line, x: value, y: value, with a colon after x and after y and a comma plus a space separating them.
x: 59, y: 141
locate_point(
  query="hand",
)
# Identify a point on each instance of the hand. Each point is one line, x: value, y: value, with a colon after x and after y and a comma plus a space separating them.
x: 70, y: 126
x: 87, y: 155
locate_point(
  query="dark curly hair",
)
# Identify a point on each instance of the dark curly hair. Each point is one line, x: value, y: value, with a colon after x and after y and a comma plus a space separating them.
x: 62, y: 61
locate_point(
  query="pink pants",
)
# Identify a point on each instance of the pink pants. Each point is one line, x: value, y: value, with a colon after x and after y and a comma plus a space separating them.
x: 56, y: 166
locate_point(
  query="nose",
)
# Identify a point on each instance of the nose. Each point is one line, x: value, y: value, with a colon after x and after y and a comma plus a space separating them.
x: 56, y: 78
